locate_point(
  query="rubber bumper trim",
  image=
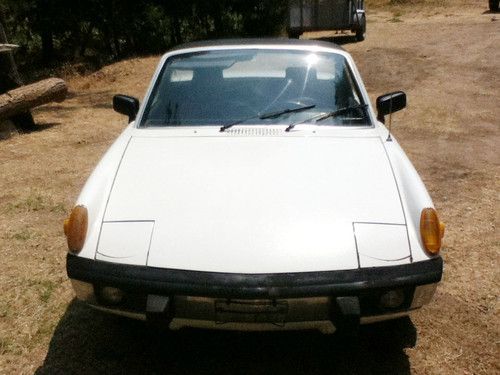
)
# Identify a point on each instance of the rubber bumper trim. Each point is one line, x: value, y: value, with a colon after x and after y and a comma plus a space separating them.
x: 164, y: 281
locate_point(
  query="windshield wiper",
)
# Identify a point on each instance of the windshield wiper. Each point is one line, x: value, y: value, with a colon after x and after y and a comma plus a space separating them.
x: 325, y: 115
x: 291, y: 126
x: 340, y: 111
x: 286, y: 111
x: 268, y: 115
x: 227, y: 126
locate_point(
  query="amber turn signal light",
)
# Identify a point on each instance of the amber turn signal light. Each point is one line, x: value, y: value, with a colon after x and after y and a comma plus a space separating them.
x: 431, y: 230
x: 75, y: 228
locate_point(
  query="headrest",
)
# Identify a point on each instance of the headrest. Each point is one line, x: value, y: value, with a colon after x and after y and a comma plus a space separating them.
x: 208, y: 75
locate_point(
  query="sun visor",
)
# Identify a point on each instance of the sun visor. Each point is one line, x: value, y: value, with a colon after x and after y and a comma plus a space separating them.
x: 125, y: 242
x: 381, y: 244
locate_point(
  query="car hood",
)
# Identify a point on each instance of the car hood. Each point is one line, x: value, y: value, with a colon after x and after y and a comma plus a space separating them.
x: 253, y: 204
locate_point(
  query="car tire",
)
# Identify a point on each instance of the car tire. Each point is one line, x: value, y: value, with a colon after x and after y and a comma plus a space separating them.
x: 361, y: 30
x: 294, y: 34
x: 494, y: 5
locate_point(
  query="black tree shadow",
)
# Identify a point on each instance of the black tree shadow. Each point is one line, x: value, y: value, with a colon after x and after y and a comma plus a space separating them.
x: 90, y: 342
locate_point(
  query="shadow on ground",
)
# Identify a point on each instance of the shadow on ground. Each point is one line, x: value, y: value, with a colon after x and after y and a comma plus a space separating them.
x: 41, y: 126
x: 90, y: 342
x: 8, y: 128
x: 339, y: 39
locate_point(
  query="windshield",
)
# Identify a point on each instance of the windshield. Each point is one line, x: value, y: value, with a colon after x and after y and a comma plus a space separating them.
x: 253, y: 86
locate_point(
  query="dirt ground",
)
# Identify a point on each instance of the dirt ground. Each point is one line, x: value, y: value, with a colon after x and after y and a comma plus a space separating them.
x: 447, y: 59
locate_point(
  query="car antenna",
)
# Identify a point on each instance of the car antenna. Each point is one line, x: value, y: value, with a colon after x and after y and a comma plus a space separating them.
x: 389, y: 138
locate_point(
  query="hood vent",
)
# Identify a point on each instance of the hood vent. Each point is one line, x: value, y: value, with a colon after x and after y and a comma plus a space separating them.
x: 255, y: 132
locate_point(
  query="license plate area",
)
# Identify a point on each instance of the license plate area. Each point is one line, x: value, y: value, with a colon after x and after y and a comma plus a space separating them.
x: 250, y: 311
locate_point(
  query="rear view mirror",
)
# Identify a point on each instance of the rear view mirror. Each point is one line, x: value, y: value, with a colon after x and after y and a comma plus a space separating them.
x: 126, y: 105
x: 390, y: 103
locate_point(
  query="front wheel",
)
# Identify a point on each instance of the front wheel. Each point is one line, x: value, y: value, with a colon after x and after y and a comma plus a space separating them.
x: 361, y: 30
x: 494, y: 5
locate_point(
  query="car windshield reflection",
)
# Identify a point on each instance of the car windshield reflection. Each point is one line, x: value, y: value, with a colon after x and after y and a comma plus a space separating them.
x: 229, y: 86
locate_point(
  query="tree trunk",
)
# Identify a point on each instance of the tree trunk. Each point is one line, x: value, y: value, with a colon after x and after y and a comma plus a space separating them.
x: 9, y: 79
x: 217, y: 17
x: 176, y: 28
x: 7, y: 64
x: 24, y: 98
x: 47, y: 46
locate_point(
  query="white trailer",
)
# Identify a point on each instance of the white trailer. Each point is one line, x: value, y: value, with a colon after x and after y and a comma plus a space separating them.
x: 320, y: 15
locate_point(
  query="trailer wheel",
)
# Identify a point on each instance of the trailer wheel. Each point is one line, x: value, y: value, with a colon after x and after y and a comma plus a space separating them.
x: 361, y: 30
x: 494, y: 5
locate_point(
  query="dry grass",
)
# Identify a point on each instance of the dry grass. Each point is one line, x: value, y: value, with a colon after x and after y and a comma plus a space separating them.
x: 370, y: 4
x: 447, y: 61
x: 408, y: 8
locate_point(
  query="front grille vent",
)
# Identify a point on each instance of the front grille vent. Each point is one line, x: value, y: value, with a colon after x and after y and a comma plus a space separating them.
x: 255, y: 132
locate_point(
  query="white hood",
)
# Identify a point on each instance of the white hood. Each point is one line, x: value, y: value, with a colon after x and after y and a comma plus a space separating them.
x: 254, y: 204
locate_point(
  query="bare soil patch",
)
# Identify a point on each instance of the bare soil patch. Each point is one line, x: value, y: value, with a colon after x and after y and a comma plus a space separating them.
x: 446, y: 58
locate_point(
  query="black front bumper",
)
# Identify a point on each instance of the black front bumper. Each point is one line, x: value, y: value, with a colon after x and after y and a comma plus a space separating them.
x: 151, y: 280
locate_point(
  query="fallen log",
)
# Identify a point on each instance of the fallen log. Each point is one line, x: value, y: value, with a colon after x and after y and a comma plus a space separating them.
x: 7, y: 47
x: 10, y: 78
x: 30, y: 96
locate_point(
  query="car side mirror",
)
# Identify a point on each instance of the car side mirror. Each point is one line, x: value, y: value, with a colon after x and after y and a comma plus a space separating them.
x: 390, y: 103
x: 126, y: 105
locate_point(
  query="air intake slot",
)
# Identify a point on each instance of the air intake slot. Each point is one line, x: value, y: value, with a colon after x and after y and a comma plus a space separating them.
x: 255, y: 132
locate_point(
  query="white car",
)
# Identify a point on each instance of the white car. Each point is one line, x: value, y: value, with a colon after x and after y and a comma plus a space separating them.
x: 256, y: 189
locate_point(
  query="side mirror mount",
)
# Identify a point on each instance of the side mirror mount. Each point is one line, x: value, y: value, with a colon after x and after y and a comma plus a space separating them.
x: 126, y: 105
x: 390, y: 103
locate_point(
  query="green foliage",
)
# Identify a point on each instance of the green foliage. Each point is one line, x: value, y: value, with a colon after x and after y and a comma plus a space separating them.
x: 54, y: 32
